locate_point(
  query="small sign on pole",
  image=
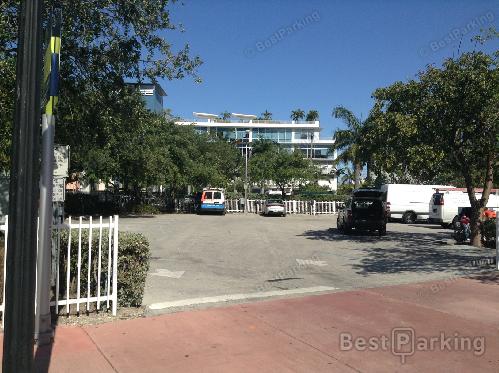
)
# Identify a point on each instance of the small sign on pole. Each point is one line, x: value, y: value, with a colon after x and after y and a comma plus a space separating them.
x: 58, y: 194
x: 61, y: 160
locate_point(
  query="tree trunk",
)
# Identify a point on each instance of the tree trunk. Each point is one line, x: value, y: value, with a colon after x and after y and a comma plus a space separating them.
x: 478, y: 206
x: 357, y: 171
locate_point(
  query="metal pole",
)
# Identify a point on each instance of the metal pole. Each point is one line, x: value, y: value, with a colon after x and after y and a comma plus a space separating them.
x: 246, y: 180
x: 43, y: 322
x: 21, y: 256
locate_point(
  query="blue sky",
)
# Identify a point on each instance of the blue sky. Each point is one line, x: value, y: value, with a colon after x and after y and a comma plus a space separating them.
x: 281, y: 55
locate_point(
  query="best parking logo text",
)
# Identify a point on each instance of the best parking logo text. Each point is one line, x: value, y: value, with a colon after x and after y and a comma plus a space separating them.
x: 404, y: 342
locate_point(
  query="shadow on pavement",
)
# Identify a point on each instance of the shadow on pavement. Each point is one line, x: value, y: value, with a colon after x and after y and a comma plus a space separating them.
x: 491, y: 278
x: 414, y: 252
x: 427, y: 226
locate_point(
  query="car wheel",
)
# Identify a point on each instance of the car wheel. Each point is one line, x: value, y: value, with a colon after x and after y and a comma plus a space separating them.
x: 409, y: 218
x: 382, y: 231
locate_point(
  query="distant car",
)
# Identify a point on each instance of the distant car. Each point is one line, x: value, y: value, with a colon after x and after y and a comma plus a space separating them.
x: 364, y: 210
x: 274, y: 207
x: 212, y: 200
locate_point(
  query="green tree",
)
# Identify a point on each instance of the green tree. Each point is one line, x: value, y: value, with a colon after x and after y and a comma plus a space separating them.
x: 312, y: 116
x: 445, y: 121
x: 266, y: 115
x: 297, y: 114
x: 350, y: 142
x: 8, y: 22
x: 104, y: 43
x: 271, y: 163
x: 225, y: 115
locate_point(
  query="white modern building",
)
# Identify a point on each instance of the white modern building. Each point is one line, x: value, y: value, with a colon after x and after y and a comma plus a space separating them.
x: 301, y: 136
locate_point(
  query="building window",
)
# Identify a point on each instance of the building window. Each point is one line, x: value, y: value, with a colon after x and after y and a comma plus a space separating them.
x: 321, y: 153
x: 201, y: 130
x: 242, y: 134
x: 303, y: 135
x: 226, y: 133
x: 273, y: 134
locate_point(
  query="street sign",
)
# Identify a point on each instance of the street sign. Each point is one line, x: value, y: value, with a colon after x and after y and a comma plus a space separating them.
x: 58, y: 190
x: 61, y: 160
x: 52, y: 62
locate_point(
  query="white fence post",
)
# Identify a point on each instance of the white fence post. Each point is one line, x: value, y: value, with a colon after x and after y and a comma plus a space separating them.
x: 99, y: 264
x: 115, y: 266
x: 68, y: 269
x: 108, y: 278
x: 78, y: 285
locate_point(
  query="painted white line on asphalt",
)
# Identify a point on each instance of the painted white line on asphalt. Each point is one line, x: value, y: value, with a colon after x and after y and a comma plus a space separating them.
x: 230, y: 297
x: 166, y: 273
x: 309, y: 262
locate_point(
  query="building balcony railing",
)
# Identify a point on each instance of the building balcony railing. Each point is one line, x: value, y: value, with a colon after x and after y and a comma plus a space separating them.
x: 254, y: 121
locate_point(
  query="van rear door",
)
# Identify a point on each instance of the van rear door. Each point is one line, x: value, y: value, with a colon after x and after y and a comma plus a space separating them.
x: 436, y: 207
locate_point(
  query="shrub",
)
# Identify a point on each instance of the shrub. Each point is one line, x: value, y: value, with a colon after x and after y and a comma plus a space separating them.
x: 145, y: 210
x: 133, y: 265
x: 489, y: 231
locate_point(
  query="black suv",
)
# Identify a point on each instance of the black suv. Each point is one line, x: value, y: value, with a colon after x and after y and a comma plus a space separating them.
x: 364, y: 210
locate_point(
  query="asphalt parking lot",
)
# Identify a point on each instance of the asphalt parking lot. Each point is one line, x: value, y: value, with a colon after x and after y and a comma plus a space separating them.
x: 205, y: 260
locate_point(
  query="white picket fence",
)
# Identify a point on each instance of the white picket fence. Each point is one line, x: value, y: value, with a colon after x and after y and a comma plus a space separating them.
x: 98, y: 284
x: 292, y: 207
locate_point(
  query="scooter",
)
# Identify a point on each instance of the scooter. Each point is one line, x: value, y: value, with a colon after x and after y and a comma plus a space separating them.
x: 459, y: 232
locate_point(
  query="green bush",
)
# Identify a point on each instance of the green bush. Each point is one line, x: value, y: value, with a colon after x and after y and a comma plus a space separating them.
x: 489, y: 231
x: 133, y: 265
x: 145, y: 210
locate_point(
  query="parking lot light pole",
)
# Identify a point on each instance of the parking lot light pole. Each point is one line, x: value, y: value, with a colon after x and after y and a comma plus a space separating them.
x: 246, y: 173
x: 23, y: 195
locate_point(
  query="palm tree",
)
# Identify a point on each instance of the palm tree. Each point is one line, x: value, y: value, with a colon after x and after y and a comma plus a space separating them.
x: 312, y: 116
x: 350, y: 141
x: 225, y: 115
x: 346, y: 175
x: 266, y: 115
x: 297, y: 114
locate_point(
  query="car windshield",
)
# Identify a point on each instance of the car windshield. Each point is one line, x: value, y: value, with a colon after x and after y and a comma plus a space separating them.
x: 270, y: 201
x: 208, y: 195
x: 217, y: 195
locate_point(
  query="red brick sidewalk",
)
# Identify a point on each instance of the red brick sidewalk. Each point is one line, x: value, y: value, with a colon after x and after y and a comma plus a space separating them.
x: 301, y: 335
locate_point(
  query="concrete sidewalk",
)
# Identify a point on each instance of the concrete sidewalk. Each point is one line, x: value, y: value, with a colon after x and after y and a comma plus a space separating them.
x: 450, y: 325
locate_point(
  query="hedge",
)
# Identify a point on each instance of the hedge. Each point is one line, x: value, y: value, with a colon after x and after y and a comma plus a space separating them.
x: 489, y: 232
x: 133, y: 265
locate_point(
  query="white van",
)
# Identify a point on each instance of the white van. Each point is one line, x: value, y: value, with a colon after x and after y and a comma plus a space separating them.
x: 212, y: 200
x: 446, y: 205
x: 409, y: 202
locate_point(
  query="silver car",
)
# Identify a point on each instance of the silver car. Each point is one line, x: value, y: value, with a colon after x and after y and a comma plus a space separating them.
x: 274, y: 207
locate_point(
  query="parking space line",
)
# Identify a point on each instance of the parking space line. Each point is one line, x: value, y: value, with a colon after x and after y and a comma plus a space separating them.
x: 232, y: 297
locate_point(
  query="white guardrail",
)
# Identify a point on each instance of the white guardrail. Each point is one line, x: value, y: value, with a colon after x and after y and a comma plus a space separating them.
x: 292, y: 207
x: 94, y: 286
